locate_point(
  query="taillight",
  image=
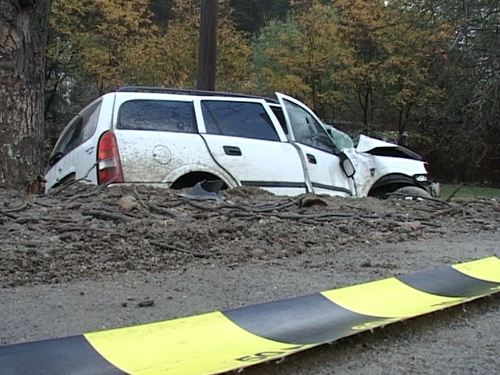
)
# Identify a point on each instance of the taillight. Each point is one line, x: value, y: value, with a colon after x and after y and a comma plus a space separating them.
x: 109, y: 169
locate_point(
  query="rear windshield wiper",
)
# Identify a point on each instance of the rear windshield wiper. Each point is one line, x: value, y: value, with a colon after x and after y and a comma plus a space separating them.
x: 55, y: 158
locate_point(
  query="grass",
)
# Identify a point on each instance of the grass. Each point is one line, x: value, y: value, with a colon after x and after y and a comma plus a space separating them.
x: 469, y: 192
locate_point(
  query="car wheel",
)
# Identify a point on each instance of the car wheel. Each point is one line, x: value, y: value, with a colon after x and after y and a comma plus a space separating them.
x: 409, y: 192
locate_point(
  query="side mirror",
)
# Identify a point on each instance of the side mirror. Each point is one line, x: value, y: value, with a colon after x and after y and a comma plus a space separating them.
x: 347, y: 166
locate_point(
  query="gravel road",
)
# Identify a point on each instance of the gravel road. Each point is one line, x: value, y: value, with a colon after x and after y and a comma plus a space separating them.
x: 89, y: 259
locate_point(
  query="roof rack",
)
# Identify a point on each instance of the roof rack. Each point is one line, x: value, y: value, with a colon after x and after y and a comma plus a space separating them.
x: 153, y: 89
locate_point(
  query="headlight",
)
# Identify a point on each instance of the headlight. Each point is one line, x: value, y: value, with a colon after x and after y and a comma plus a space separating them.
x: 420, y: 177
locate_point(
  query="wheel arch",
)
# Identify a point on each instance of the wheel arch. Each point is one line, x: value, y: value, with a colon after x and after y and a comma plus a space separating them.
x: 390, y: 183
x: 191, y: 178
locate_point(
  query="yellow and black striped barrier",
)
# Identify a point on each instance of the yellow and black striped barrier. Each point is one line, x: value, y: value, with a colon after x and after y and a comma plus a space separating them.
x: 221, y: 341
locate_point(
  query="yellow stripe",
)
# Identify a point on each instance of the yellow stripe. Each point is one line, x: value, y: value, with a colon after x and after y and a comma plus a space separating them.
x: 211, y: 343
x: 389, y: 298
x: 202, y: 344
x: 487, y: 269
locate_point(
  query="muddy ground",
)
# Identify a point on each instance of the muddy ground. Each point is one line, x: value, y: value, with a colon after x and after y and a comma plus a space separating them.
x: 87, y: 259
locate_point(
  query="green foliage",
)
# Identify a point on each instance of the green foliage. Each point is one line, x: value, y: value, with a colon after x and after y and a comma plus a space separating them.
x: 89, y: 52
x: 90, y: 42
x: 162, y: 12
x: 396, y: 55
x: 469, y: 192
x: 251, y: 15
x: 299, y: 55
x: 357, y: 60
x: 465, y: 132
x: 173, y: 54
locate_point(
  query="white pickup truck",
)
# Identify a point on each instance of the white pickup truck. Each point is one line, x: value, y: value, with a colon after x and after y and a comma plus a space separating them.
x: 177, y: 138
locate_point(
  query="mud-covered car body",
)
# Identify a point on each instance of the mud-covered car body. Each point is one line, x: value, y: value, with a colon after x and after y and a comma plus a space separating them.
x: 177, y: 138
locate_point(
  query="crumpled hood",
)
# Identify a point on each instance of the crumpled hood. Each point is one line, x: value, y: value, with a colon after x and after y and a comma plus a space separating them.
x: 366, y: 144
x: 377, y: 147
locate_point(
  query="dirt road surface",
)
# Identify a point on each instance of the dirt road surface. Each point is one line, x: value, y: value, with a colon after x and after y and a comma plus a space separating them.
x: 86, y: 259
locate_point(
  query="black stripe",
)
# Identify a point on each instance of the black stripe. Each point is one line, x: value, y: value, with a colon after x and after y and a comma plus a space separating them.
x: 447, y: 281
x: 65, y: 356
x: 276, y: 184
x: 333, y: 188
x: 310, y: 319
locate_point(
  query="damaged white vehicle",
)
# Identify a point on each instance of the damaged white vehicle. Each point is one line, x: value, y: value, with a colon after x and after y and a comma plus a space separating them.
x: 384, y: 168
x: 178, y: 138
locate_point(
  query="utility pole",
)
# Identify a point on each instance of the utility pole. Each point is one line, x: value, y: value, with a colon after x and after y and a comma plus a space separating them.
x: 207, y: 52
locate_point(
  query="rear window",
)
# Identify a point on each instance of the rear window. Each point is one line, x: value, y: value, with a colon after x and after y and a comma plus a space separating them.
x: 239, y: 119
x: 157, y: 115
x: 81, y: 128
x: 67, y: 141
x: 90, y: 119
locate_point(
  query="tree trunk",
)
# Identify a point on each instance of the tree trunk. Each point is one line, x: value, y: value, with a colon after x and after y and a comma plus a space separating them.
x: 23, y: 33
x: 207, y: 55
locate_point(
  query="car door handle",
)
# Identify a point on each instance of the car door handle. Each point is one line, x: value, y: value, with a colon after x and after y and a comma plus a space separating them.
x: 232, y: 151
x: 311, y: 159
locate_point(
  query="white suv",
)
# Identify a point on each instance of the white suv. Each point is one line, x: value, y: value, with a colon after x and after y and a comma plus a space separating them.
x: 177, y: 138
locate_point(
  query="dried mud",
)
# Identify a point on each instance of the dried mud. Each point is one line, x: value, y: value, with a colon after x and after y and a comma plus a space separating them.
x: 89, y: 258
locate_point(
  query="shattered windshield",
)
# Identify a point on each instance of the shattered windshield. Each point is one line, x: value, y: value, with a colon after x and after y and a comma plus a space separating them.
x: 341, y: 139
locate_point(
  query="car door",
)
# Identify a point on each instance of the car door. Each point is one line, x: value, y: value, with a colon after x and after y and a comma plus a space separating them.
x: 244, y: 137
x: 321, y: 156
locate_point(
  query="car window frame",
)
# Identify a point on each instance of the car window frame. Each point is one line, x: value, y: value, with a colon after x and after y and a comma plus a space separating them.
x: 269, y: 121
x: 194, y: 122
x: 292, y: 131
x: 90, y: 116
x: 64, y: 140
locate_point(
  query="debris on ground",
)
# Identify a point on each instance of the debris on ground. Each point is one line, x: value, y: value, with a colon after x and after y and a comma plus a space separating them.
x: 82, y: 231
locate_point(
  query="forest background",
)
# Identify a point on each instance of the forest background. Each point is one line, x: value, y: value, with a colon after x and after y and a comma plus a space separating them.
x: 423, y: 73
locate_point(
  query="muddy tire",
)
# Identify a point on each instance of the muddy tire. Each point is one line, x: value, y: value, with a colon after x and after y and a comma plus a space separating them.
x: 409, y: 191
